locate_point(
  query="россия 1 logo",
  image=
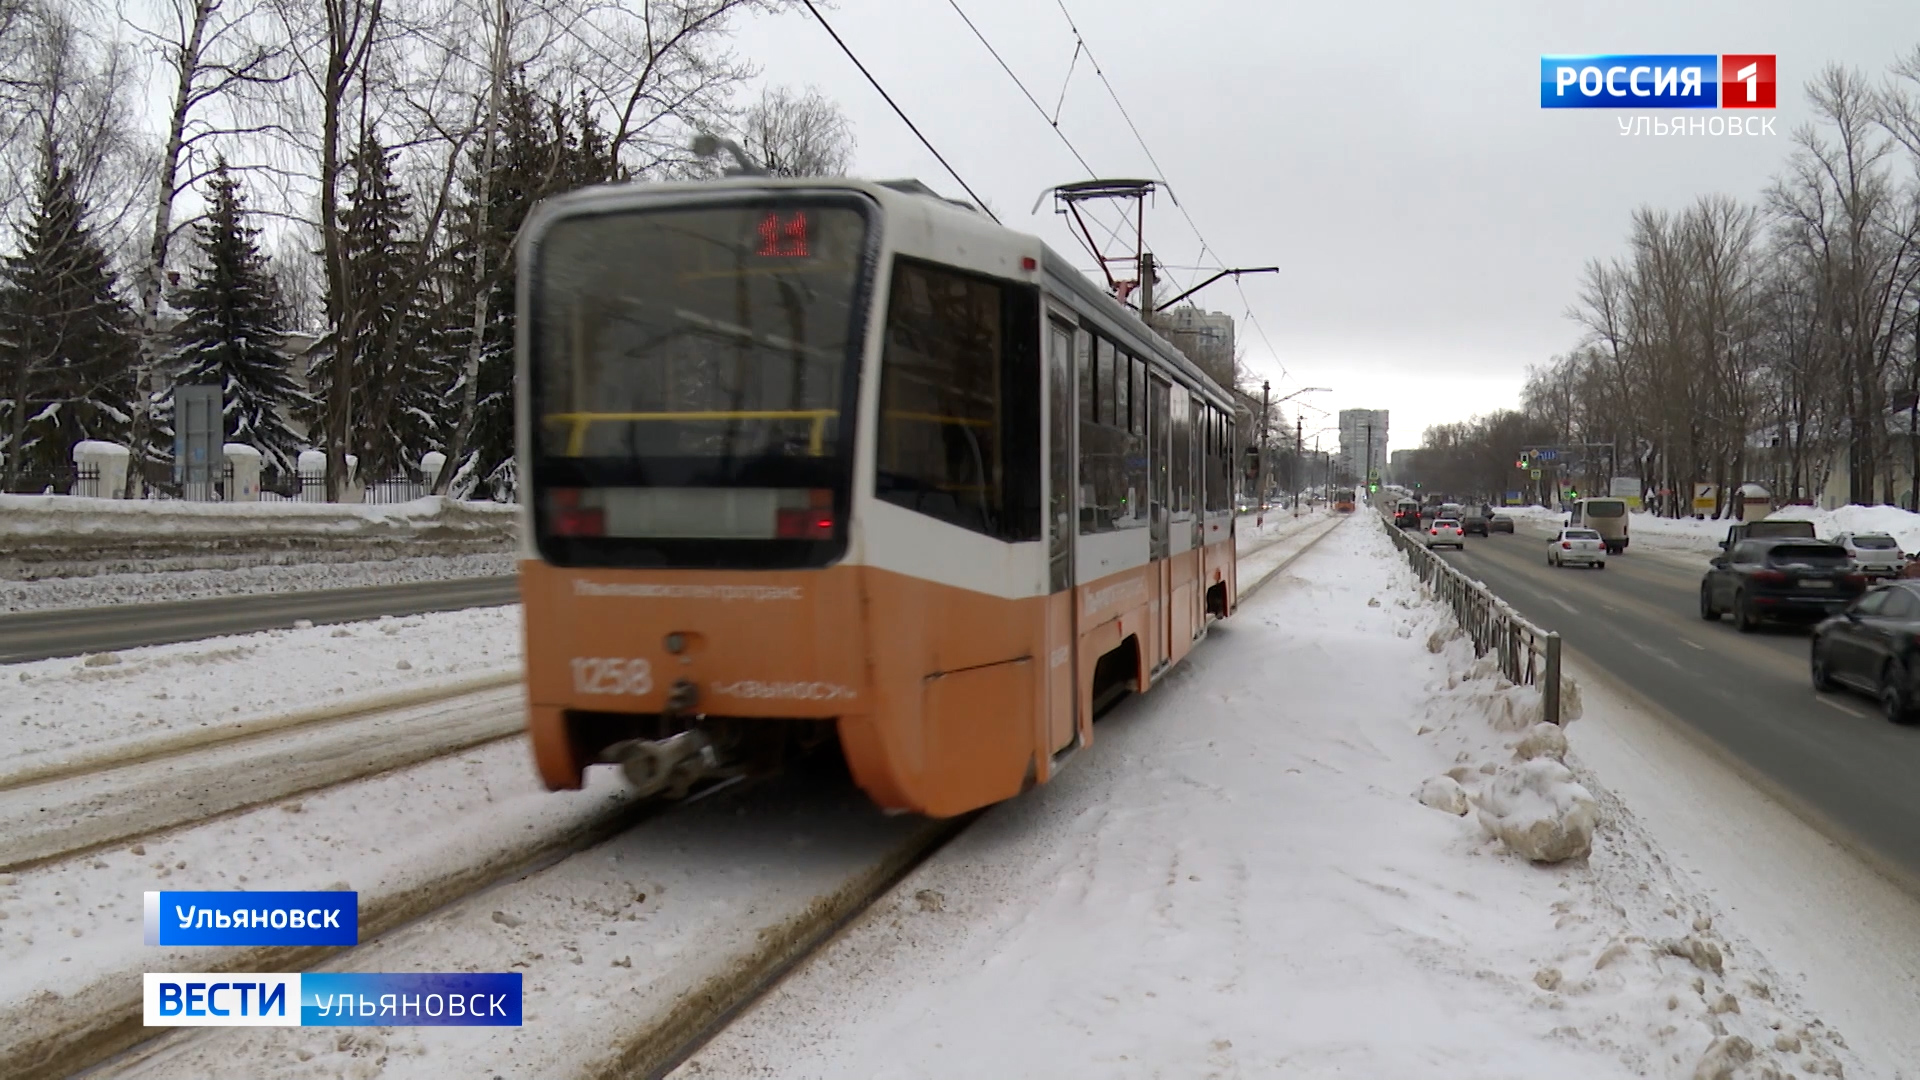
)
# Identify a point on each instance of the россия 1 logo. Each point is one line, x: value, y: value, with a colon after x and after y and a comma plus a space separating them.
x: 1690, y: 81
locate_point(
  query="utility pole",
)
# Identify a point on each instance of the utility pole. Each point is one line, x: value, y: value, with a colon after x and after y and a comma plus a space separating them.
x: 1265, y: 392
x: 1297, y: 462
x: 1367, y: 481
x: 1146, y: 287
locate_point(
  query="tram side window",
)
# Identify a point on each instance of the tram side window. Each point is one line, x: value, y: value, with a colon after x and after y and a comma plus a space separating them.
x: 1113, y: 474
x: 1177, y: 459
x: 1103, y: 381
x: 1137, y: 417
x: 960, y: 403
x: 1219, y: 497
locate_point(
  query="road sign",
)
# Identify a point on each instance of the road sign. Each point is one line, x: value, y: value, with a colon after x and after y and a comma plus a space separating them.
x: 1536, y: 474
x: 1703, y: 497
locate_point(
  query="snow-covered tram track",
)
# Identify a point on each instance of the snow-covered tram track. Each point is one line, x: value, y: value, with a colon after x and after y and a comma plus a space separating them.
x: 77, y: 807
x: 653, y: 934
x: 411, y: 841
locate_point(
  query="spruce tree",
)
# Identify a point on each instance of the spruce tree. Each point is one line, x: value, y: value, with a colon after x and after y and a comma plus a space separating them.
x: 66, y: 336
x: 400, y: 364
x: 233, y: 326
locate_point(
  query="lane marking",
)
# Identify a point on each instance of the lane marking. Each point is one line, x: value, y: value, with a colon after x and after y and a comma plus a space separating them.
x: 1570, y: 608
x: 1848, y: 709
x: 1656, y: 654
x: 1695, y: 644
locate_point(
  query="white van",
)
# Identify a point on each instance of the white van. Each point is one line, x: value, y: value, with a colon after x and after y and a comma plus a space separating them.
x: 1608, y: 517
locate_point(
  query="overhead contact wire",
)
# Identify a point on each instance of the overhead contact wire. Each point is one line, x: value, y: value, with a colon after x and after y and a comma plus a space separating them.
x: 902, y: 113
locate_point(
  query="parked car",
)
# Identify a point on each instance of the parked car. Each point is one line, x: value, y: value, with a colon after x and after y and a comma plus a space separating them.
x: 1873, y: 646
x: 1761, y: 580
x: 1446, y: 532
x: 1577, y: 547
x: 1876, y: 555
x: 1500, y: 523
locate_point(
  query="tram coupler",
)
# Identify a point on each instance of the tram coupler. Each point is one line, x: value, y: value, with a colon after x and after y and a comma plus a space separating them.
x: 674, y: 764
x: 670, y: 765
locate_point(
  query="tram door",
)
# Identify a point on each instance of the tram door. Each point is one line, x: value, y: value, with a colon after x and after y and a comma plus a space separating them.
x: 1063, y: 517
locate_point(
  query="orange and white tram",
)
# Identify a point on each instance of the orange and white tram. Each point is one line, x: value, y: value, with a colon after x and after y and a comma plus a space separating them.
x: 804, y: 458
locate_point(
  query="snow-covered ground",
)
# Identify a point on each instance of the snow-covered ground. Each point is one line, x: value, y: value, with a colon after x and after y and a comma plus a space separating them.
x: 47, y: 536
x: 36, y: 518
x: 56, y: 708
x: 71, y: 958
x: 1239, y: 880
x: 1239, y: 877
x: 278, y: 572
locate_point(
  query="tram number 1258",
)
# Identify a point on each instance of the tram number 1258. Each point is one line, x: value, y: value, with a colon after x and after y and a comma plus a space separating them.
x: 611, y: 675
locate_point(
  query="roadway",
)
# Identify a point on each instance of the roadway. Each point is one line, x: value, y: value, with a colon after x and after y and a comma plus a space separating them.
x: 1832, y: 757
x: 40, y: 635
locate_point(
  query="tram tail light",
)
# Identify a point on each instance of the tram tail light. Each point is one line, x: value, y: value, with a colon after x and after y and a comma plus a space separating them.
x: 811, y: 522
x: 570, y: 518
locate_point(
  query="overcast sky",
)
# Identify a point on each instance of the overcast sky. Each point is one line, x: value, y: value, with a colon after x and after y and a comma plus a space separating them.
x: 1430, y: 219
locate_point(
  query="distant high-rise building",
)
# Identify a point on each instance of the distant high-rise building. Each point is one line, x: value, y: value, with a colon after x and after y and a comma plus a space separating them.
x: 1363, y: 442
x: 1206, y: 337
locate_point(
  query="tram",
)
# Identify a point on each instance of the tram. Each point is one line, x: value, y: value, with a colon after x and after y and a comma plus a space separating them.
x: 806, y: 460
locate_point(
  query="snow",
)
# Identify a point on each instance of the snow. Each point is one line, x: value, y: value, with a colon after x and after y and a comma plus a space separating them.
x: 53, y: 709
x: 276, y: 572
x: 74, y: 927
x: 98, y: 448
x: 1239, y: 880
x: 1238, y: 877
x: 240, y: 450
x: 1539, y: 811
x: 43, y: 536
x: 39, y: 518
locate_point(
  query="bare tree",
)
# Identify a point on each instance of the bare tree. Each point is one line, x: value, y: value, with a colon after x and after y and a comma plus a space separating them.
x: 797, y: 133
x: 333, y: 46
x: 650, y: 73
x: 205, y: 50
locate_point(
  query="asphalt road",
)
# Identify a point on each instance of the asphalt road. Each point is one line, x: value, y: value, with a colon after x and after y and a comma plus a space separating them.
x: 1832, y: 756
x: 39, y: 635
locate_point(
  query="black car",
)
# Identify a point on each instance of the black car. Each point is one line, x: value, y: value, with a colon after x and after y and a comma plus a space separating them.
x: 1874, y: 647
x: 1762, y: 580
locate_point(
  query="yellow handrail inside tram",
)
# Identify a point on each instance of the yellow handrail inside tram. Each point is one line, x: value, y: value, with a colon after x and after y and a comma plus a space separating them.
x: 579, y: 422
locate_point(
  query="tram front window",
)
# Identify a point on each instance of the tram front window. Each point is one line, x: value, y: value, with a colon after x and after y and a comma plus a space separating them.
x: 692, y: 380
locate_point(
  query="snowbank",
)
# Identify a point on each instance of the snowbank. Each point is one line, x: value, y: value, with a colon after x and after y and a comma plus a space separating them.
x: 59, y: 535
x: 1537, y: 808
x: 34, y: 518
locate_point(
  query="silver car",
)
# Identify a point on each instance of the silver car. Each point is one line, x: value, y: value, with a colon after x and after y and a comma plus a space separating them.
x: 1577, y: 547
x: 1877, y: 555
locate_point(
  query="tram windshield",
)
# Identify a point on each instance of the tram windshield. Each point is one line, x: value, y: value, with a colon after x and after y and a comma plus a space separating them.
x: 692, y: 376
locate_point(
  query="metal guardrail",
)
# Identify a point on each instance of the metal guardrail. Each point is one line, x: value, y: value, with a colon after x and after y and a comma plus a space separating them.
x: 1527, y: 654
